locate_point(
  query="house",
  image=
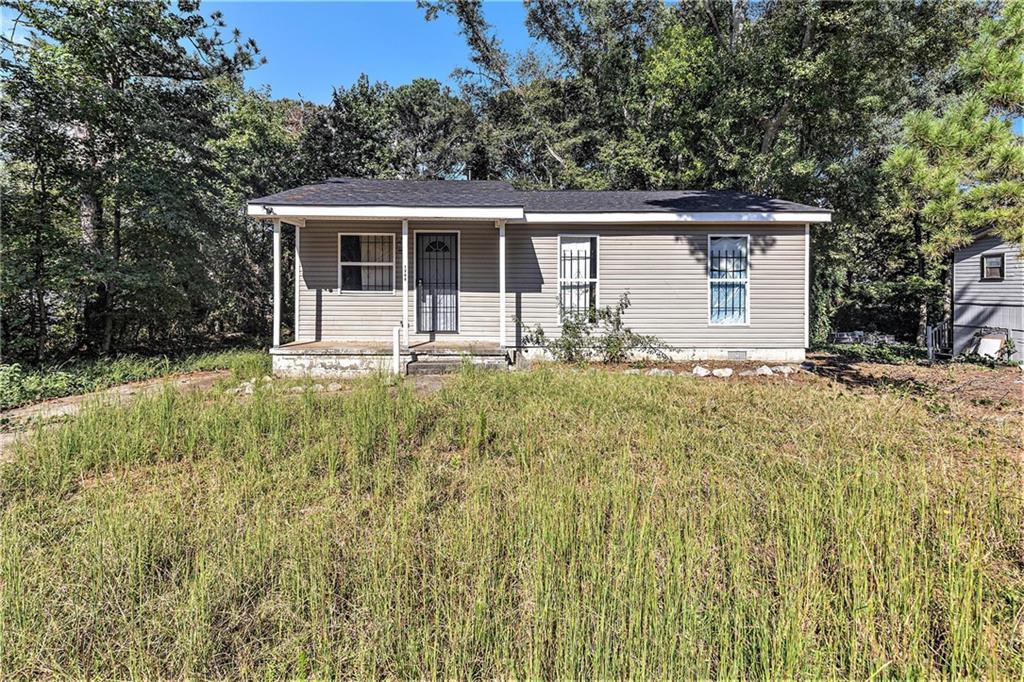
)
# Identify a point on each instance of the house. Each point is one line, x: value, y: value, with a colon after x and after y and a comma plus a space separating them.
x: 988, y: 293
x: 465, y: 267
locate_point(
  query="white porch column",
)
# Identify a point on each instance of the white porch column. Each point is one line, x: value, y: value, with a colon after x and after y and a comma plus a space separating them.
x: 295, y: 267
x: 405, y: 281
x: 277, y: 283
x: 502, y: 303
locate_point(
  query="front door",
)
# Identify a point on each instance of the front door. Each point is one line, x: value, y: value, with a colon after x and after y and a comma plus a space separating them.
x: 437, y: 282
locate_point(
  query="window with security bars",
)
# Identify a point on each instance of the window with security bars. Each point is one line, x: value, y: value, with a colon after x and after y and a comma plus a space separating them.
x: 577, y: 275
x: 366, y: 262
x: 728, y: 279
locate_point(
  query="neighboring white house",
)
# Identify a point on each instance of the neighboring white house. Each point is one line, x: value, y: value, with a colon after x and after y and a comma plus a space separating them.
x: 988, y: 293
x: 462, y: 267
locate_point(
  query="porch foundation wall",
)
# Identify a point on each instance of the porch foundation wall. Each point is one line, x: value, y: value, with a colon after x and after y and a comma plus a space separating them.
x: 327, y: 366
x: 321, y: 365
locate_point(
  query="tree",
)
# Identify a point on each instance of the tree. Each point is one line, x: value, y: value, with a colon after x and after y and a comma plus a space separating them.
x: 130, y: 93
x: 351, y: 136
x: 432, y: 130
x: 959, y: 169
x: 255, y: 156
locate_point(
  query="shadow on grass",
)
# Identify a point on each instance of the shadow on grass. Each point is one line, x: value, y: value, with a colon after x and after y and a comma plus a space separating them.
x: 847, y: 372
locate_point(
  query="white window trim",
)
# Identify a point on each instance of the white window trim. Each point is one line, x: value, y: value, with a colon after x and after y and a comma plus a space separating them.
x: 745, y: 280
x: 570, y: 280
x: 1001, y: 255
x: 458, y: 281
x: 351, y: 292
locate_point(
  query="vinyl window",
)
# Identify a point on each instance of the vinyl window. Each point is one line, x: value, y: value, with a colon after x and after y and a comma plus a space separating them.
x: 577, y: 275
x: 728, y: 279
x: 992, y: 266
x: 366, y: 263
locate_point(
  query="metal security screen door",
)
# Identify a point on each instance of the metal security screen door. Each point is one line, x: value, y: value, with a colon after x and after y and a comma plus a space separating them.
x: 437, y: 282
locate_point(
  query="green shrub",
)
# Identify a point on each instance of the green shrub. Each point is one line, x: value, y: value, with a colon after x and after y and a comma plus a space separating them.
x: 596, y: 334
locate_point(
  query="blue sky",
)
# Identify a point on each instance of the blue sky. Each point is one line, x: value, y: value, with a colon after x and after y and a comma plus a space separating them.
x: 311, y: 47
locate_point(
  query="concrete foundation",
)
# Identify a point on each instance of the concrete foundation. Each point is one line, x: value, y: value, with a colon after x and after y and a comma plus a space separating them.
x: 780, y: 355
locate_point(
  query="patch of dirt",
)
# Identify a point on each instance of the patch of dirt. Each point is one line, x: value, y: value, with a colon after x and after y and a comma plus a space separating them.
x: 19, y: 421
x: 973, y: 390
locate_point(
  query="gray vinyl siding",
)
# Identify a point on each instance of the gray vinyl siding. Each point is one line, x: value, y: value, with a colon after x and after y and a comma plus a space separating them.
x: 664, y: 270
x: 325, y: 314
x: 979, y: 303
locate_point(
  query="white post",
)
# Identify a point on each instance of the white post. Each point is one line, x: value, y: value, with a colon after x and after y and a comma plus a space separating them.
x: 405, y: 281
x: 395, y: 358
x: 277, y: 283
x: 502, y: 303
x: 807, y: 286
x: 295, y: 265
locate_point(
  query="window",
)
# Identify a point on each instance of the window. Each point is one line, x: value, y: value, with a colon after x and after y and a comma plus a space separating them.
x: 366, y: 262
x: 992, y: 266
x: 728, y: 279
x: 577, y: 275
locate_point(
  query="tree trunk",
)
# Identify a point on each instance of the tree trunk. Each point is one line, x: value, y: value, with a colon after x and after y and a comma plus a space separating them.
x: 108, y: 312
x: 39, y: 269
x: 90, y: 209
x: 922, y: 304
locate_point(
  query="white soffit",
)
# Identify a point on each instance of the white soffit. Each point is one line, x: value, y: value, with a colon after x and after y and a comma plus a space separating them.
x: 271, y: 211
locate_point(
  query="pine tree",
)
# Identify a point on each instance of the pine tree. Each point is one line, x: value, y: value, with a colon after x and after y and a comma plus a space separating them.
x: 959, y: 171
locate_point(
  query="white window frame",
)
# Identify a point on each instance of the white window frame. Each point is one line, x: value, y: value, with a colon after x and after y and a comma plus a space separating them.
x: 745, y: 281
x: 1002, y: 267
x: 391, y: 264
x: 569, y: 280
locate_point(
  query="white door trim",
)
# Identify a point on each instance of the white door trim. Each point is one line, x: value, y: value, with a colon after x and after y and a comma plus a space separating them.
x: 458, y: 277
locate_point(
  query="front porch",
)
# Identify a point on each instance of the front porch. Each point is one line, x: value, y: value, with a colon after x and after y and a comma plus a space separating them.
x: 351, y: 358
x: 370, y: 291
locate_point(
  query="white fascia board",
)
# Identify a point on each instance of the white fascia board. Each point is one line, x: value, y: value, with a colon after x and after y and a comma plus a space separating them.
x: 644, y: 217
x: 397, y: 212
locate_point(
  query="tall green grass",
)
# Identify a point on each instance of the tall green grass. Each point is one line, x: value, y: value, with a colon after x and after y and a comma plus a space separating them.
x: 20, y: 385
x: 534, y: 524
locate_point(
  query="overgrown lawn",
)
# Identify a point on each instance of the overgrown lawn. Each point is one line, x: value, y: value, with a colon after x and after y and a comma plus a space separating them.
x: 540, y: 524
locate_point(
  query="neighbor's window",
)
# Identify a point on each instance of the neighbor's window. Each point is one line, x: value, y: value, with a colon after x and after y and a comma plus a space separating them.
x: 992, y: 266
x: 367, y: 262
x: 577, y: 274
x: 728, y: 279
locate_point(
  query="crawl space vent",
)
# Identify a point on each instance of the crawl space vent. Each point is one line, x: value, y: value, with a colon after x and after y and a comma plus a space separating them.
x: 737, y: 355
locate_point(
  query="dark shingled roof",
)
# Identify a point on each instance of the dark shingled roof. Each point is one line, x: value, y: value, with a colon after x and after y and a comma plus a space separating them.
x: 672, y: 201
x: 434, y: 193
x: 490, y: 193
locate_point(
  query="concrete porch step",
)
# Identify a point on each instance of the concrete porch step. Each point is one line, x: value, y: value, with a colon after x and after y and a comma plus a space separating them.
x: 448, y: 365
x: 422, y: 367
